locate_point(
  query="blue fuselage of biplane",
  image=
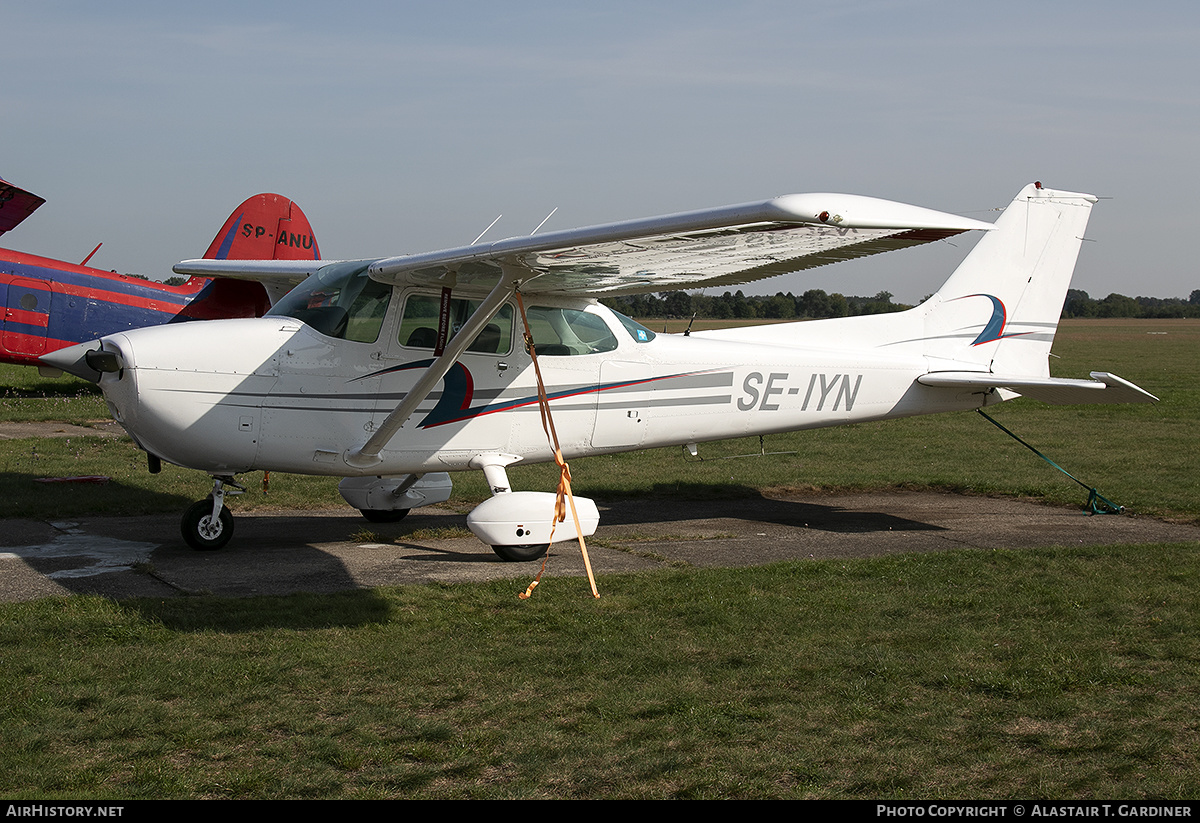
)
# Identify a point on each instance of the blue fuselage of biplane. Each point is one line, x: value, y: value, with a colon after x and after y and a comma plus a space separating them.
x: 49, y: 304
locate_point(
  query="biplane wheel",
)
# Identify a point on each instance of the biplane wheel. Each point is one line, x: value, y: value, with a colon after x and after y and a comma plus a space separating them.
x: 203, y: 533
x: 521, y: 554
x: 385, y: 515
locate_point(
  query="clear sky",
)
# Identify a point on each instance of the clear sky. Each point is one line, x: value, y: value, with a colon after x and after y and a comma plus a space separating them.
x: 403, y: 127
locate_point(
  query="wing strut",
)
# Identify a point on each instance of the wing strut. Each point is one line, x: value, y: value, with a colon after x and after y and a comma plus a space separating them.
x: 564, y: 480
x: 368, y: 454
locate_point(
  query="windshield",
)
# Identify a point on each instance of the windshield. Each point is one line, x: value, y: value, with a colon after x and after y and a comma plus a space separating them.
x: 341, y: 301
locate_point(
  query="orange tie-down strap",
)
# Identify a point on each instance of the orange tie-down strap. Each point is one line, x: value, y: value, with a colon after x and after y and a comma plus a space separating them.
x: 564, y: 496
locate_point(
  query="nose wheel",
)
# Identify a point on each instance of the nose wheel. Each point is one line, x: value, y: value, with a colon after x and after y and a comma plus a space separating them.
x: 207, y: 525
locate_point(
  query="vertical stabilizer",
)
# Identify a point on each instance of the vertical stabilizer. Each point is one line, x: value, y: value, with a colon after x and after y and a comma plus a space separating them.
x: 265, y: 227
x: 1000, y: 308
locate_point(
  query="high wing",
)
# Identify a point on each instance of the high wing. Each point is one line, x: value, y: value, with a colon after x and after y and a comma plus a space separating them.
x: 698, y: 249
x: 722, y: 246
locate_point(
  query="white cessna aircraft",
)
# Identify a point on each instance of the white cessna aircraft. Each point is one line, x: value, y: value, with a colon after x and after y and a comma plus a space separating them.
x: 391, y: 373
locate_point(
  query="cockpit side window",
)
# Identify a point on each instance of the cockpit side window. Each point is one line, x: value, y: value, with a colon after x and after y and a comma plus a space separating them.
x: 340, y: 301
x: 418, y: 327
x: 557, y: 332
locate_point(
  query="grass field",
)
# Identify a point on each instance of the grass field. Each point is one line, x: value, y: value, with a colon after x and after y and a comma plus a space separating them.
x: 1064, y: 673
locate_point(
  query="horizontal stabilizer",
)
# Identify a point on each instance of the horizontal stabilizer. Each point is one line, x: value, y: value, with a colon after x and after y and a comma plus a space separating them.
x: 1102, y: 388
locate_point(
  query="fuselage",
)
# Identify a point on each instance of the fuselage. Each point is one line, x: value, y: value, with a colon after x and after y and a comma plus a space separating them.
x: 276, y: 393
x: 391, y: 372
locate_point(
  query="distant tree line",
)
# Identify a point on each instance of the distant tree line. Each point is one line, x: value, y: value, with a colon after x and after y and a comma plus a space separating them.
x: 816, y: 303
x: 1079, y: 304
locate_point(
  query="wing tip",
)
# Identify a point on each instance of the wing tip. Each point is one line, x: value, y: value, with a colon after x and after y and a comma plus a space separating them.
x: 856, y: 211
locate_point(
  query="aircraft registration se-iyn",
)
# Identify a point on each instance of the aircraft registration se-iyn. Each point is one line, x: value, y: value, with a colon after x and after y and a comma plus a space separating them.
x: 392, y: 373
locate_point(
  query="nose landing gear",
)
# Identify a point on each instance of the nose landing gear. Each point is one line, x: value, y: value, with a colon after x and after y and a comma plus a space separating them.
x: 207, y: 525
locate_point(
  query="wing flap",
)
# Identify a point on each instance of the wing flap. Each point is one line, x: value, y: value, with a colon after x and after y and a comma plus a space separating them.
x: 1102, y: 388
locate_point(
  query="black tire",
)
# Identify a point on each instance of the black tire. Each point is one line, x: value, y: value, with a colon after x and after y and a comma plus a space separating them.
x: 201, y: 532
x: 385, y: 515
x: 522, y: 554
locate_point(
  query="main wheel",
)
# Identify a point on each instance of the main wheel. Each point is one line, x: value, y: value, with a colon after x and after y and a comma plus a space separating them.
x: 385, y: 515
x: 201, y: 531
x: 521, y: 554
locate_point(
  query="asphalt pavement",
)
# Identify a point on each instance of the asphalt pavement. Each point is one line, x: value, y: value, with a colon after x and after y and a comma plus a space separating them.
x: 285, y: 552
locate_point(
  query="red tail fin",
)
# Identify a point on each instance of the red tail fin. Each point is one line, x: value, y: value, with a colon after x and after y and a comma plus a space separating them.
x: 265, y: 227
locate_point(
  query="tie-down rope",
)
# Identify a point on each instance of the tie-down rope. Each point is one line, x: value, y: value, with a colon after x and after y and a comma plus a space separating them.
x: 564, y: 496
x: 1096, y: 504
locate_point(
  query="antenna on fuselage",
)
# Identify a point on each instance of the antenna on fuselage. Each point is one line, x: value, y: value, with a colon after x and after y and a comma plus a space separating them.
x: 89, y: 257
